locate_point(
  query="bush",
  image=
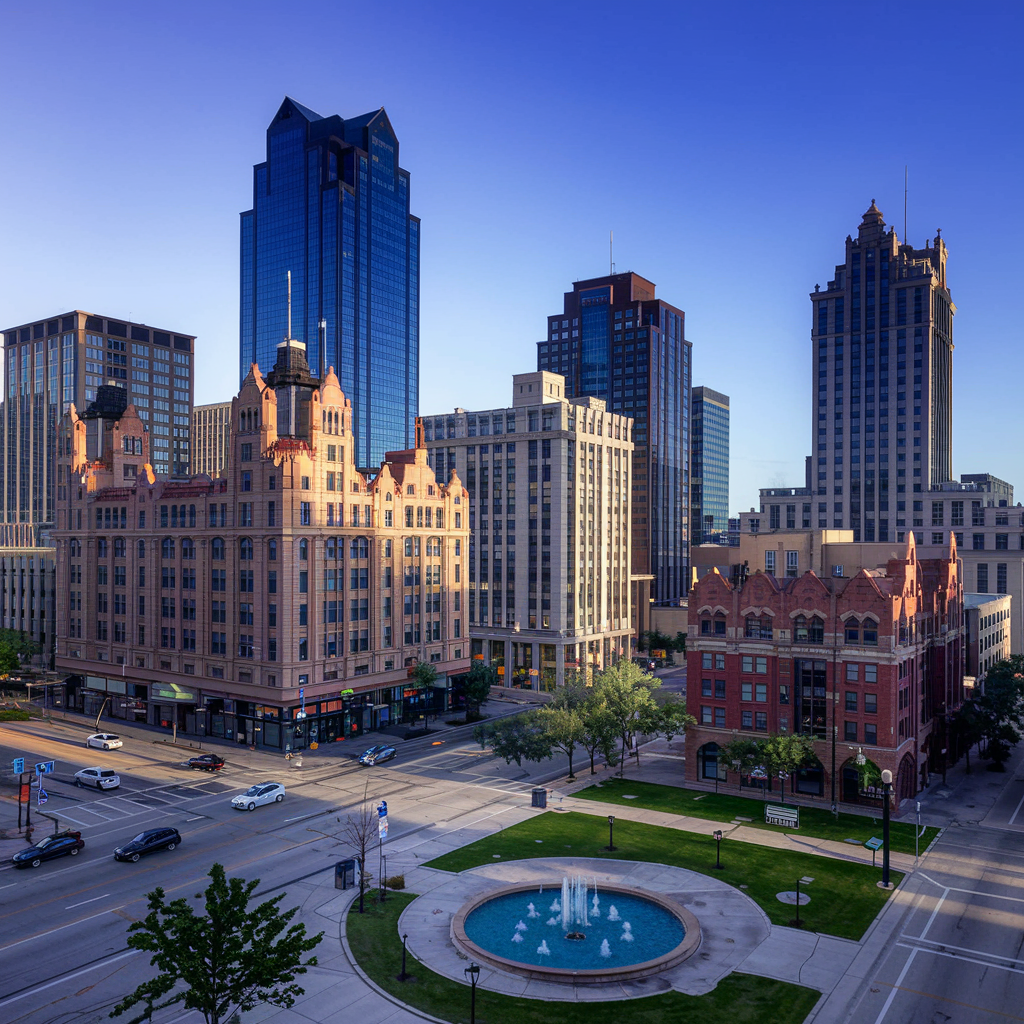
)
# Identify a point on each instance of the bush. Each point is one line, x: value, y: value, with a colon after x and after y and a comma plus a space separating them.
x: 14, y: 715
x: 395, y: 882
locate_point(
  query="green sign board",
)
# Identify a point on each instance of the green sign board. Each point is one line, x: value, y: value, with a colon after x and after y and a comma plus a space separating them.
x: 874, y: 844
x: 170, y: 691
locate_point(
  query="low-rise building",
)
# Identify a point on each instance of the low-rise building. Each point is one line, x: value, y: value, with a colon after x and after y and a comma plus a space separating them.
x: 865, y: 662
x: 283, y: 604
x: 987, y: 620
x: 548, y: 480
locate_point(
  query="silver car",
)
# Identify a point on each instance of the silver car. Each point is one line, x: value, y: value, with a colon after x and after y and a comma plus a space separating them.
x: 104, y: 741
x: 101, y: 778
x: 256, y: 796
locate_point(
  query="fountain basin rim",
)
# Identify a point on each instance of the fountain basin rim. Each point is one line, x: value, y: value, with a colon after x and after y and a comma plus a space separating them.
x: 595, y: 976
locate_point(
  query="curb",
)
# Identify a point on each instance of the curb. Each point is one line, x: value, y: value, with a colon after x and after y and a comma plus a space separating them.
x: 346, y: 949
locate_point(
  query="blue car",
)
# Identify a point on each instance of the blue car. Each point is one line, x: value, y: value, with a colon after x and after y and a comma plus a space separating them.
x: 378, y: 754
x: 59, y: 845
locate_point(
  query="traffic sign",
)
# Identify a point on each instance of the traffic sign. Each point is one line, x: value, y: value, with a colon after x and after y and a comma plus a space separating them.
x: 19, y: 765
x: 44, y: 767
x: 41, y: 797
x: 382, y: 820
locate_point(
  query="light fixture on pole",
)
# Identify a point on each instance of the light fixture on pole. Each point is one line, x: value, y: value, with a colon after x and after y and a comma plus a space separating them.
x: 718, y: 847
x: 473, y: 970
x: 611, y: 831
x: 886, y: 788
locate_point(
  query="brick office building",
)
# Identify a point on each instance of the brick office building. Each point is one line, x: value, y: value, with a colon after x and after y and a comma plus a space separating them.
x: 214, y: 604
x: 866, y: 664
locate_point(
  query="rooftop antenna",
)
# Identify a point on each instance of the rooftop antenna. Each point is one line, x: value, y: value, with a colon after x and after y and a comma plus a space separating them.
x: 905, y: 182
x: 611, y: 262
x: 288, y: 336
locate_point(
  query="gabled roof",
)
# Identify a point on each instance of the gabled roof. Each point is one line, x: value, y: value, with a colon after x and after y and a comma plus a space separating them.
x: 309, y: 115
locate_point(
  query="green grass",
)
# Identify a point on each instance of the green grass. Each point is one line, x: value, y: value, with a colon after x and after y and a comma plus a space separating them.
x: 722, y: 807
x: 738, y: 998
x: 844, y: 897
x: 14, y: 715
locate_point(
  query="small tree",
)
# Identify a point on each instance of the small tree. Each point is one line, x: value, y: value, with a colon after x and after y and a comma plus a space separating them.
x: 574, y: 694
x: 476, y: 687
x: 520, y: 737
x: 783, y: 754
x: 563, y: 730
x: 680, y: 643
x: 226, y: 962
x: 600, y: 735
x: 742, y: 754
x: 359, y: 830
x: 1001, y: 710
x: 9, y: 661
x: 625, y: 690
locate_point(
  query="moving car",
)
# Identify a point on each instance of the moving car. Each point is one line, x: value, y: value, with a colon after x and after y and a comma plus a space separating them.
x: 378, y: 754
x: 104, y: 740
x: 101, y: 778
x: 206, y: 762
x: 256, y: 796
x: 57, y: 845
x: 147, y: 842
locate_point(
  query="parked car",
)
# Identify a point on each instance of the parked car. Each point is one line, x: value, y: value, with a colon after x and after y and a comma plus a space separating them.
x: 60, y: 844
x: 256, y: 796
x: 104, y: 741
x: 101, y: 778
x: 206, y: 762
x: 378, y: 754
x: 147, y: 842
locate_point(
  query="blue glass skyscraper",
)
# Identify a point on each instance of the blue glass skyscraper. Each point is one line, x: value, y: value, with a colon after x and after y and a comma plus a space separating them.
x: 331, y: 205
x: 709, y: 466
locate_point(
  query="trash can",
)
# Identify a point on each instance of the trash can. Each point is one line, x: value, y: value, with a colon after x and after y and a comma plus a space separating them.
x: 540, y: 797
x: 345, y: 876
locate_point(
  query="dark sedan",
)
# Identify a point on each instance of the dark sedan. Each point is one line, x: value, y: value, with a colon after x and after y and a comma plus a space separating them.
x: 206, y: 762
x: 148, y: 842
x: 59, y: 845
x: 378, y: 754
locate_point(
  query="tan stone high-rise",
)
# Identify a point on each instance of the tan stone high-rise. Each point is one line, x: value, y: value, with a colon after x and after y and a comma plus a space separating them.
x: 883, y: 350
x: 296, y: 581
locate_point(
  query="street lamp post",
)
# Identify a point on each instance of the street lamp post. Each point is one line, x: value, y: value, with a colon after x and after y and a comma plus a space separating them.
x: 611, y: 827
x: 404, y: 976
x: 886, y: 786
x: 718, y: 847
x: 473, y: 970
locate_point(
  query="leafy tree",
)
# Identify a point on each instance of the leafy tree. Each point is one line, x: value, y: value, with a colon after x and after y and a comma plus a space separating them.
x: 563, y: 730
x: 785, y: 753
x: 476, y: 687
x: 519, y: 737
x: 20, y: 642
x: 741, y: 754
x: 673, y: 718
x: 228, y: 961
x: 1000, y: 710
x: 680, y: 644
x: 359, y: 830
x: 969, y: 725
x: 574, y: 694
x: 9, y: 660
x: 600, y: 734
x: 625, y: 691
x: 424, y: 675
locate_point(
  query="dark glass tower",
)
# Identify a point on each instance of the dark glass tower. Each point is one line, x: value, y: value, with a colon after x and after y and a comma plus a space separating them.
x: 331, y: 205
x: 616, y: 341
x: 709, y: 466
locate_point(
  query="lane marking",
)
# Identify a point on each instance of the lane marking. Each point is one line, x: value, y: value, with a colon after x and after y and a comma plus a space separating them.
x: 9, y: 884
x: 1016, y: 812
x: 83, y: 903
x: 928, y: 923
x: 973, y: 892
x: 197, y: 818
x: 967, y: 959
x: 68, y: 977
x: 896, y: 987
x: 962, y: 949
x: 41, y: 935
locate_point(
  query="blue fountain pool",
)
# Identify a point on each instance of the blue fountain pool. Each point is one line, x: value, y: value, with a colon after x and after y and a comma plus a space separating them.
x: 655, y: 931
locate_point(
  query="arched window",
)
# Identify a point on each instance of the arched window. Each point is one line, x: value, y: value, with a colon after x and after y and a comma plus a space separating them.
x: 142, y: 549
x: 192, y: 516
x: 245, y: 549
x: 167, y: 548
x: 753, y: 627
x: 870, y: 632
x: 303, y: 550
x: 408, y: 515
x: 188, y: 548
x: 852, y: 631
x: 272, y: 551
x: 119, y: 547
x: 800, y: 630
x: 217, y: 549
x: 816, y: 632
x: 719, y: 625
x: 359, y: 548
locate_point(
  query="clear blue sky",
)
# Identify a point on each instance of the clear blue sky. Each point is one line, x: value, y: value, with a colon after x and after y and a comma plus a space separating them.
x: 731, y: 147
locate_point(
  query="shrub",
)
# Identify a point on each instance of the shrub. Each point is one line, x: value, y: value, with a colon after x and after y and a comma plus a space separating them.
x: 395, y: 882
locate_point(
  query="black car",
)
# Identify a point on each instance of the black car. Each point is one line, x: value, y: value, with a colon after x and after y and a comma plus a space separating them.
x: 206, y: 762
x: 147, y: 842
x: 57, y: 845
x: 378, y: 754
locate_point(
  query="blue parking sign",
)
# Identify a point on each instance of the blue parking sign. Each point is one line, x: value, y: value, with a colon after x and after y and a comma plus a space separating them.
x: 19, y: 765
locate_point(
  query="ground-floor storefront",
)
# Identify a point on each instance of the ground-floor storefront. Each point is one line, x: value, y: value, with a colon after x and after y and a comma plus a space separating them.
x: 524, y: 663
x: 191, y: 711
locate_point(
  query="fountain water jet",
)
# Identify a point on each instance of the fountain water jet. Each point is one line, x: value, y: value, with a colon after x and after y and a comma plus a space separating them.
x: 606, y: 950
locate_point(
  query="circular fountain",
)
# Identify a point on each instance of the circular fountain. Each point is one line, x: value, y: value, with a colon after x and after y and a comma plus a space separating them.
x: 577, y: 932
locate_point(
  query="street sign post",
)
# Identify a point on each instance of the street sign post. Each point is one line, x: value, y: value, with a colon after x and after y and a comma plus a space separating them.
x: 19, y: 765
x: 44, y: 767
x: 874, y: 845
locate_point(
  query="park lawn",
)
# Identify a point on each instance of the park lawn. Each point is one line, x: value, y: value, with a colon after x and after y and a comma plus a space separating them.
x: 844, y: 896
x: 738, y: 998
x: 723, y: 807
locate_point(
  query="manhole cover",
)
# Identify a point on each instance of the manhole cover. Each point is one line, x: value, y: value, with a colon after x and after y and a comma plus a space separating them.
x: 790, y: 898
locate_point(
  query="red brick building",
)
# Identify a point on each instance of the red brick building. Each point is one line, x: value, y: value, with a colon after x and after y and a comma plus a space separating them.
x: 868, y: 664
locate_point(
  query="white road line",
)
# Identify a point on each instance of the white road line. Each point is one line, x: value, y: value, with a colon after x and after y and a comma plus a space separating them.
x: 198, y: 818
x: 963, y: 949
x: 896, y: 987
x: 928, y: 923
x: 968, y: 959
x: 42, y: 935
x: 973, y: 892
x: 9, y: 884
x: 83, y: 903
x: 68, y: 977
x: 1016, y: 812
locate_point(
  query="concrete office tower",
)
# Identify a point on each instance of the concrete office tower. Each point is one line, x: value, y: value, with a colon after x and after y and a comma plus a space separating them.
x: 709, y: 467
x: 549, y: 498
x: 50, y: 364
x: 883, y: 372
x: 331, y: 205
x: 211, y: 438
x: 615, y: 341
x: 223, y: 605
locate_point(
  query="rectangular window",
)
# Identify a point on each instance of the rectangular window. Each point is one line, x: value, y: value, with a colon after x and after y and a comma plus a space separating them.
x: 719, y: 718
x: 871, y: 703
x: 746, y: 719
x: 761, y: 692
x: 769, y: 561
x: 851, y: 701
x: 746, y: 691
x: 871, y: 734
x: 761, y: 721
x: 850, y: 732
x: 852, y: 673
x: 705, y: 715
x: 705, y: 688
x: 870, y: 673
x: 719, y: 689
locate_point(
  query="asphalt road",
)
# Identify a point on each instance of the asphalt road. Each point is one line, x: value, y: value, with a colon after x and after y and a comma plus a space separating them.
x: 63, y: 953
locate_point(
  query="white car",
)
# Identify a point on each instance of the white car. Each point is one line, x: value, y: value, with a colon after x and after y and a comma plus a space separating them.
x: 104, y: 741
x: 101, y: 778
x: 256, y: 796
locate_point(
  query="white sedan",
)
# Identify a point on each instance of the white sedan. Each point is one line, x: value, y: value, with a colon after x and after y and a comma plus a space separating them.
x: 104, y: 741
x: 256, y: 796
x: 101, y: 778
